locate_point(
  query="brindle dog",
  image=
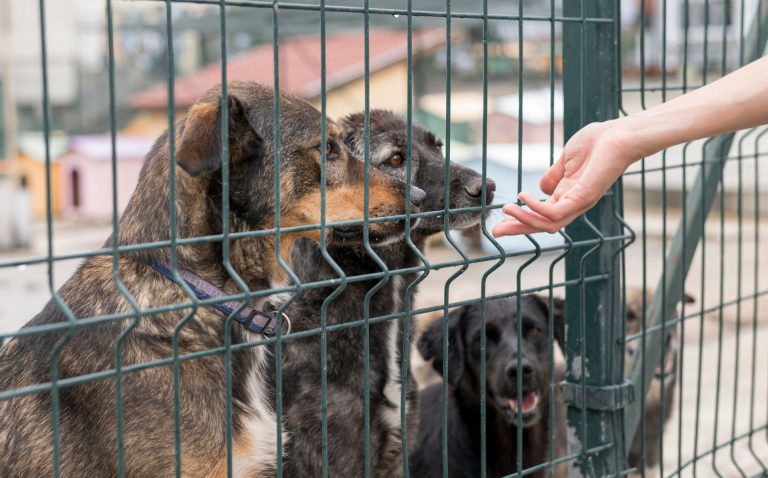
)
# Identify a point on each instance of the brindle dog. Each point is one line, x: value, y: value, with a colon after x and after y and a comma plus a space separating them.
x: 388, y: 134
x: 87, y: 411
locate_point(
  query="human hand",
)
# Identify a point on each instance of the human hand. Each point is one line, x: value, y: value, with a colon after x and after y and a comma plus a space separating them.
x: 598, y: 154
x: 592, y: 160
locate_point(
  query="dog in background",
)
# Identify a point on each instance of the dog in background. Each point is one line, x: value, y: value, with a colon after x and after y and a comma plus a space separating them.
x: 87, y: 419
x: 345, y: 359
x: 505, y: 413
x: 666, y: 372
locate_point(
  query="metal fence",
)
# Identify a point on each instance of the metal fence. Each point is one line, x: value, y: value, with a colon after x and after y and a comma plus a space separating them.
x: 719, y: 181
x: 717, y: 212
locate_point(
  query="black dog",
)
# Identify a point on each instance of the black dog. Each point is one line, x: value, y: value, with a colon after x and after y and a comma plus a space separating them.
x: 345, y: 357
x: 505, y: 361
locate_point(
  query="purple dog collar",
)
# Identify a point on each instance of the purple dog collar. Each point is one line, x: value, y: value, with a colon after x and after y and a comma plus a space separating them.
x: 252, y: 319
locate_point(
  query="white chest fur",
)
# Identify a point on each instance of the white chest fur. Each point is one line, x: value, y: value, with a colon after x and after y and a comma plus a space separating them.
x: 259, y: 425
x: 392, y: 388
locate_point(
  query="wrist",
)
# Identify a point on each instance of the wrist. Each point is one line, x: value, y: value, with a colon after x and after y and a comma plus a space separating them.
x: 633, y: 137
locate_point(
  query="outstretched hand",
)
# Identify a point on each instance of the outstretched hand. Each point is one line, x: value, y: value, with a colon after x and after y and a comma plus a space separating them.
x: 595, y: 157
x: 592, y: 160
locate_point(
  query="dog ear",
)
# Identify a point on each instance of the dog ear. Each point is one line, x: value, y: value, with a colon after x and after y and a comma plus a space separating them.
x: 558, y: 314
x: 198, y: 149
x: 430, y: 345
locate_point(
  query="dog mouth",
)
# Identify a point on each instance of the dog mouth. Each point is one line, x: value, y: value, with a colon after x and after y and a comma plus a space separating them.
x: 523, y: 412
x: 468, y: 220
x: 457, y: 221
x: 666, y: 369
x: 356, y: 234
x: 348, y: 233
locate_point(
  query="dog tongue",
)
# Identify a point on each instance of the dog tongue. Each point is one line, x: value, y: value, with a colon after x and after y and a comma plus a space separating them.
x: 530, y: 400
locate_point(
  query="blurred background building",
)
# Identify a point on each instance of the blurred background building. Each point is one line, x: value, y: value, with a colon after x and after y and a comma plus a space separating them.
x: 523, y: 134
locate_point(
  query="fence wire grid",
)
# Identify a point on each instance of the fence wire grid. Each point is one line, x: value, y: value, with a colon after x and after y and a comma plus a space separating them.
x: 663, y: 280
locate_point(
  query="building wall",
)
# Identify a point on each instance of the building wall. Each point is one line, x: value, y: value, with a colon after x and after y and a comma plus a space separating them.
x: 150, y: 123
x: 389, y: 90
x: 34, y: 174
x: 61, y: 43
x: 95, y: 180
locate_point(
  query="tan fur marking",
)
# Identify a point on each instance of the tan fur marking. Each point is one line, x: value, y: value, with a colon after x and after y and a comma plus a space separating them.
x: 242, y: 449
x: 343, y: 203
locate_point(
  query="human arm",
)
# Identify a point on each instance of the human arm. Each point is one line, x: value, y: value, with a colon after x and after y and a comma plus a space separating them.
x: 596, y: 156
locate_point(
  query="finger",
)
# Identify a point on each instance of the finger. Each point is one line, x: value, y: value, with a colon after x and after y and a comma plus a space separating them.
x: 511, y: 227
x: 555, y: 211
x: 508, y: 207
x: 535, y: 221
x: 553, y: 176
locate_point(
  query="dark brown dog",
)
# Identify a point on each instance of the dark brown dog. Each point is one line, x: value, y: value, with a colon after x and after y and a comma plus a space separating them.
x: 345, y: 378
x: 509, y: 358
x: 87, y: 411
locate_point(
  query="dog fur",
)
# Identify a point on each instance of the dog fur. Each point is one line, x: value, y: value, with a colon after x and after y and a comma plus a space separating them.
x: 502, y: 419
x: 665, y: 372
x: 388, y: 134
x: 87, y: 411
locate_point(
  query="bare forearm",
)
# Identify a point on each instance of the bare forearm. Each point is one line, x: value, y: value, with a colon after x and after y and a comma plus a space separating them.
x: 600, y: 152
x: 734, y: 102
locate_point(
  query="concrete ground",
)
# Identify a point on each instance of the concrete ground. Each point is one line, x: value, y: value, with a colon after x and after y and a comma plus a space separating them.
x: 713, y: 409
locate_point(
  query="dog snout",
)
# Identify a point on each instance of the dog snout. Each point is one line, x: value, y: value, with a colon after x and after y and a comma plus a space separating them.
x: 490, y: 188
x: 417, y: 196
x: 525, y: 368
x: 475, y: 189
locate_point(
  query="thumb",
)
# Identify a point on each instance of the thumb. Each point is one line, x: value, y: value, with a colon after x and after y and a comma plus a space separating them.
x: 552, y: 177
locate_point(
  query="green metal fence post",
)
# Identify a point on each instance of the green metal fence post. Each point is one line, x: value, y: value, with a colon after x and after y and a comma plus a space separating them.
x: 593, y: 389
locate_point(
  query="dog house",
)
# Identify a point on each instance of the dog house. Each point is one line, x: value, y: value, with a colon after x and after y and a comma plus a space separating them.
x: 86, y: 174
x: 32, y: 170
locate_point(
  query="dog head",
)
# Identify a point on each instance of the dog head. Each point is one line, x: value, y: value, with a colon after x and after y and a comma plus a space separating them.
x: 667, y: 367
x: 252, y: 150
x: 388, y: 151
x: 508, y: 355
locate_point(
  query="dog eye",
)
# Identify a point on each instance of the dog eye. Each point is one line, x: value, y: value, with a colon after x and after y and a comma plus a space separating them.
x: 533, y: 332
x: 492, y: 334
x: 396, y: 160
x: 331, y: 151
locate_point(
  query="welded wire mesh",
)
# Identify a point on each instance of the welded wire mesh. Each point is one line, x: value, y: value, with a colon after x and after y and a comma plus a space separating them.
x: 718, y: 408
x: 716, y: 414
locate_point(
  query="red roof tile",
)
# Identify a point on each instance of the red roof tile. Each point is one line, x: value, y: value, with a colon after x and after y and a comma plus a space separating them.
x: 299, y: 65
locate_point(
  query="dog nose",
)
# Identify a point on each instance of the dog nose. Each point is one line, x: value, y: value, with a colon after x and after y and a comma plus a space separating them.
x: 475, y: 189
x: 490, y: 188
x: 525, y: 367
x: 417, y: 196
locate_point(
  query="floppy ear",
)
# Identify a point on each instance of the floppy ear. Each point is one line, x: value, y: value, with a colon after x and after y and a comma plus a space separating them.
x: 198, y: 149
x: 430, y: 346
x: 558, y: 314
